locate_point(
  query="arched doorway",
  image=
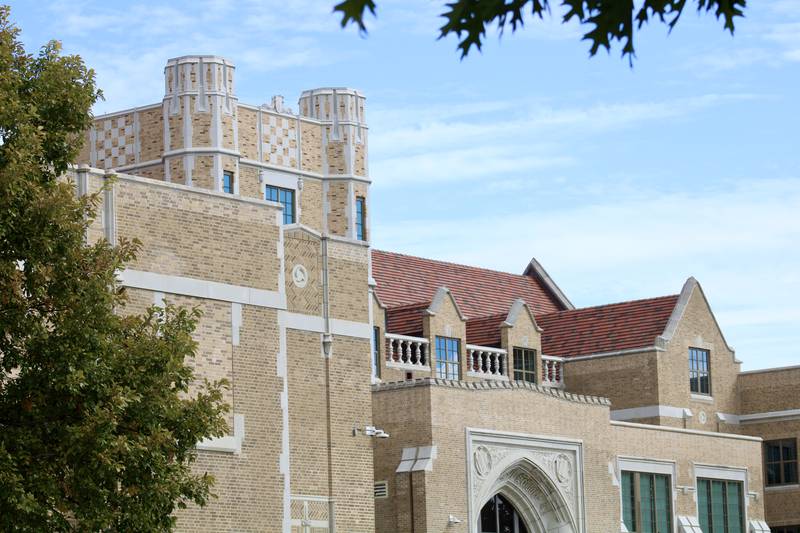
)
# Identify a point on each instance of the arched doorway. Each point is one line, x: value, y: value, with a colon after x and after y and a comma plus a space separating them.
x: 500, y: 516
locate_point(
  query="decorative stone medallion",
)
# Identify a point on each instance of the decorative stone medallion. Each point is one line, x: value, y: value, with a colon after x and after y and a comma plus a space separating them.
x: 483, y: 460
x: 563, y: 469
x: 299, y: 276
x: 702, y: 417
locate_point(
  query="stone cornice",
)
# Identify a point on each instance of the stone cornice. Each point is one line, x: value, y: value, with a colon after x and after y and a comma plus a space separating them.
x: 491, y: 385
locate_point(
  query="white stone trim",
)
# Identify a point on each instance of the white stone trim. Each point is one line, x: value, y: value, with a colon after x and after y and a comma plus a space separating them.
x: 438, y: 300
x: 701, y: 398
x: 284, y: 458
x: 126, y: 111
x: 773, y: 369
x: 536, y: 270
x: 629, y: 351
x: 199, y: 288
x: 680, y: 307
x: 782, y: 488
x: 651, y: 466
x: 513, y: 314
x: 316, y: 324
x: 687, y: 431
x: 769, y: 415
x: 651, y: 411
x: 277, y: 178
x: 228, y: 444
x: 305, y: 173
x: 727, y: 473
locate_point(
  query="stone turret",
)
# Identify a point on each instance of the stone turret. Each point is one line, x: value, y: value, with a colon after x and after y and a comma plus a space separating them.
x: 344, y: 156
x: 200, y: 122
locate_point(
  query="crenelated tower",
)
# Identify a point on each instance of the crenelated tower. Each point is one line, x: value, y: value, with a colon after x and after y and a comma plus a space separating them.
x: 313, y: 162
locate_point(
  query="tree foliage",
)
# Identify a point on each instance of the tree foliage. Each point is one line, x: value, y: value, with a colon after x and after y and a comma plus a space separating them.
x: 98, y: 425
x: 608, y: 20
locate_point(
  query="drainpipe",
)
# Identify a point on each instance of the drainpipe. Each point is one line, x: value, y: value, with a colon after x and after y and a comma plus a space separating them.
x: 327, y: 345
x: 411, y: 498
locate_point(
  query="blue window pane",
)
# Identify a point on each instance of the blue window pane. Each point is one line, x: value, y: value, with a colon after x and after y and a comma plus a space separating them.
x: 447, y: 358
x: 361, y: 219
x: 227, y: 182
x: 283, y: 196
x: 699, y: 371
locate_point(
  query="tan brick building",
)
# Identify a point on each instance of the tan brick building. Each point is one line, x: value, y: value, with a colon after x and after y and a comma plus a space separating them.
x: 373, y: 391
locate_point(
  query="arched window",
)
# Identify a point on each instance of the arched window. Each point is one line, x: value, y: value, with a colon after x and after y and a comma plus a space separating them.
x: 499, y: 516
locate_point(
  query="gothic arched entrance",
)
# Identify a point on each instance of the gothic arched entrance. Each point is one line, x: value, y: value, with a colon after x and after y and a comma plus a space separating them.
x: 528, y: 484
x: 500, y: 516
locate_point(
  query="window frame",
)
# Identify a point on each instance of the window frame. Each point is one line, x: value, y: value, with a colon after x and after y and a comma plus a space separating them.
x: 742, y: 502
x: 376, y: 352
x: 522, y: 352
x: 781, y: 462
x: 448, y: 363
x: 229, y: 177
x: 283, y: 190
x: 647, y: 466
x: 637, y: 502
x: 361, y: 218
x: 698, y: 373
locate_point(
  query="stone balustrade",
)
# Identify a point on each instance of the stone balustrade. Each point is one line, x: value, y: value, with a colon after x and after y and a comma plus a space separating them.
x: 408, y: 353
x: 487, y: 362
x: 552, y: 371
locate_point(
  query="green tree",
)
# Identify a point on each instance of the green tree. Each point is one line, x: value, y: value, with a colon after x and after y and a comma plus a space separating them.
x: 98, y: 422
x: 608, y: 20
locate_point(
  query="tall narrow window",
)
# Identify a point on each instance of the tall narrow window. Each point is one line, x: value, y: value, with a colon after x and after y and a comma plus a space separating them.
x: 525, y: 365
x: 447, y: 360
x: 699, y: 371
x: 284, y: 197
x: 719, y: 506
x: 646, y: 502
x: 780, y: 458
x: 361, y: 218
x: 227, y: 182
x: 376, y: 352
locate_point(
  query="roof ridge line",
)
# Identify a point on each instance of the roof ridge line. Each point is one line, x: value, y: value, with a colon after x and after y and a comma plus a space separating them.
x: 471, y: 267
x: 637, y: 300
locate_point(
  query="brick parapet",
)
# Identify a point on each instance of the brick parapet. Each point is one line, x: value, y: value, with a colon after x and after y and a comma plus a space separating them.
x: 492, y: 385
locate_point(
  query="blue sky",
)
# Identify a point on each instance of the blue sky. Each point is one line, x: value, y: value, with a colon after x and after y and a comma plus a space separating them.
x: 622, y: 182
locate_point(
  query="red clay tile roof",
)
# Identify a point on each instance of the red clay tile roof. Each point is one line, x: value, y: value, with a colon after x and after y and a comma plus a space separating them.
x: 606, y: 328
x: 404, y: 280
x: 406, y: 320
x: 485, y: 331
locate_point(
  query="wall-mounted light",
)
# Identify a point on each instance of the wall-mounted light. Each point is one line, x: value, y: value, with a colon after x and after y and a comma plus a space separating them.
x: 371, y: 431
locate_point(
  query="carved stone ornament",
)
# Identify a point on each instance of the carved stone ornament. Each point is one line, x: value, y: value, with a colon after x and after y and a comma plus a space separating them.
x: 299, y: 276
x: 563, y: 469
x: 483, y: 461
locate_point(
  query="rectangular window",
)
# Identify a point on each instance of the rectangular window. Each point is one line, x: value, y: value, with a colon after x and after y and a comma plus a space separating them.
x: 786, y: 529
x: 646, y: 502
x: 525, y: 365
x: 361, y: 219
x: 376, y: 352
x: 284, y: 197
x: 227, y: 182
x: 447, y: 359
x: 780, y: 461
x: 699, y: 372
x: 720, y: 506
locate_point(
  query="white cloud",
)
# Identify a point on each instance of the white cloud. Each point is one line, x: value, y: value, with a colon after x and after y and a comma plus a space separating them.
x: 491, y: 139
